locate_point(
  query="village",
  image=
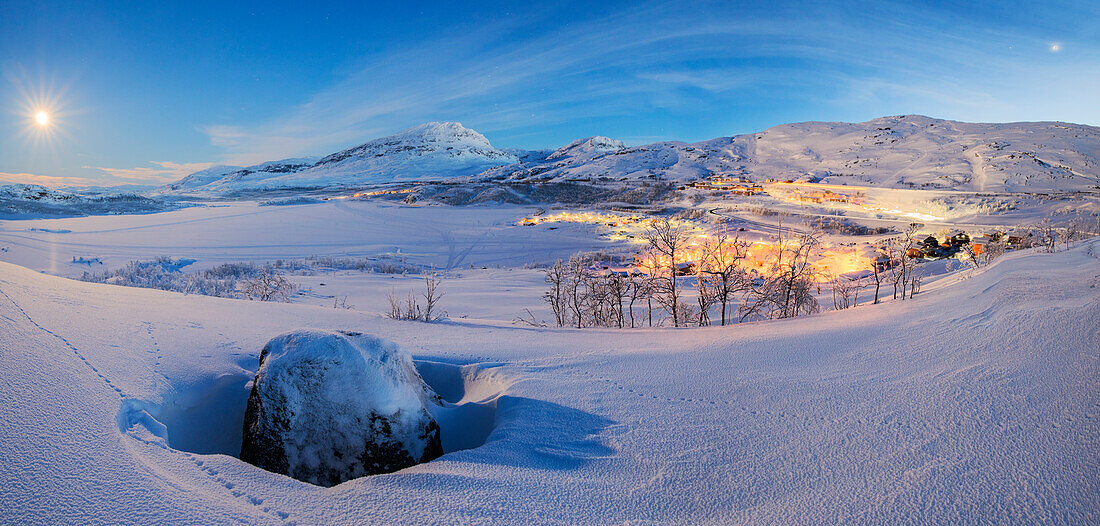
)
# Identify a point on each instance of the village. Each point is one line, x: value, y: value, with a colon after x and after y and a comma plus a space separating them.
x: 691, y: 263
x: 800, y: 191
x: 832, y: 259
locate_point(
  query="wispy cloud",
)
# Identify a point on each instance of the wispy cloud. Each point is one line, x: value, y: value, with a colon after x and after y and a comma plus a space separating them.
x: 167, y: 171
x: 890, y: 57
x: 709, y: 80
x: 549, y: 77
x: 44, y: 180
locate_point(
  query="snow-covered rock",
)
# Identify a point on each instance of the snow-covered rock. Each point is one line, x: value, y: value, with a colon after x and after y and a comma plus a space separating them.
x: 327, y: 407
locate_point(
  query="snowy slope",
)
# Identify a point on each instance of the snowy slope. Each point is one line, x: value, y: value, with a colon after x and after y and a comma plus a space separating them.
x: 202, y: 177
x: 975, y: 402
x: 435, y: 150
x: 891, y: 152
x: 229, y: 177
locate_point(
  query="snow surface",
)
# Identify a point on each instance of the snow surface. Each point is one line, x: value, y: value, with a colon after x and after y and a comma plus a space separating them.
x: 444, y: 237
x: 976, y: 402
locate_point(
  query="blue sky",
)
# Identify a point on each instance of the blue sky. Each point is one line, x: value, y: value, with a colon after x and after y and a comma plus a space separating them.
x: 146, y: 92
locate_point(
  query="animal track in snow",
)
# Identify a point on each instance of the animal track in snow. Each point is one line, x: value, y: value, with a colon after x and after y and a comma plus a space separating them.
x: 71, y: 347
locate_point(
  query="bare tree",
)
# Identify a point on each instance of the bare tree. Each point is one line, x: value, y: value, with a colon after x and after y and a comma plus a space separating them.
x: 1075, y: 229
x: 617, y: 287
x: 705, y: 299
x: 432, y: 294
x: 647, y: 262
x: 668, y: 240
x: 787, y: 290
x: 901, y: 268
x: 843, y: 290
x: 973, y: 252
x: 582, y: 296
x: 795, y: 279
x: 639, y: 287
x: 1047, y: 235
x: 268, y: 286
x: 878, y: 271
x: 915, y: 282
x: 983, y: 254
x: 557, y: 277
x: 721, y: 262
x: 576, y: 288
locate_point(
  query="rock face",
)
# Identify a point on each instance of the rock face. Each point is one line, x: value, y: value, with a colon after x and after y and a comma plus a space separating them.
x: 327, y: 407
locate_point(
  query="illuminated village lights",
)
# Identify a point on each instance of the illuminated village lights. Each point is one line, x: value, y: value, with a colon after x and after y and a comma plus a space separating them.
x: 372, y: 194
x: 835, y: 195
x: 611, y: 220
x: 760, y: 256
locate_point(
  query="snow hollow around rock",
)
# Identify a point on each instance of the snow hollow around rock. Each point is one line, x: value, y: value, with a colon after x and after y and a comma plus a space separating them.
x: 327, y: 407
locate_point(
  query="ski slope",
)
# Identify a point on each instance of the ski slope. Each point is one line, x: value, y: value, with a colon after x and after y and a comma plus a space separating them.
x: 977, y: 402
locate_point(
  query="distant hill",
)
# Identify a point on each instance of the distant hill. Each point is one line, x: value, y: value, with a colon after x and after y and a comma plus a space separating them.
x: 31, y: 200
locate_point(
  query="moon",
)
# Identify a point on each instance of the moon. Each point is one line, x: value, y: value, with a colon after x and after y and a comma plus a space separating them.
x: 42, y: 118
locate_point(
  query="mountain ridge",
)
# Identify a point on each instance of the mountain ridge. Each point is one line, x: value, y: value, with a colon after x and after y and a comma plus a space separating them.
x: 907, y: 151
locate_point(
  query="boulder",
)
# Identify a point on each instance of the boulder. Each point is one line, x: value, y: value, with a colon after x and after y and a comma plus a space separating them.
x: 327, y: 407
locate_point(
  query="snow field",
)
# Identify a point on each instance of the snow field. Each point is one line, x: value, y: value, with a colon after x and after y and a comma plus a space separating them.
x: 975, y: 402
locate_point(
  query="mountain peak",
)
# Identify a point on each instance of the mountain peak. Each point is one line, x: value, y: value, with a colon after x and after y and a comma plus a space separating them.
x: 449, y: 132
x: 430, y: 136
x: 597, y: 144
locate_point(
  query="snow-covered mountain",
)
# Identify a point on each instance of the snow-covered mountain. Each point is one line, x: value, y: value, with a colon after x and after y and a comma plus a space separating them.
x: 431, y: 151
x: 894, y: 152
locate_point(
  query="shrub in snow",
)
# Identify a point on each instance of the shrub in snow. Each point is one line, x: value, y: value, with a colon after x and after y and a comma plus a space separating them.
x: 412, y: 309
x: 164, y: 273
x: 327, y: 407
x: 844, y: 226
x: 268, y: 286
x: 291, y: 201
x: 383, y: 264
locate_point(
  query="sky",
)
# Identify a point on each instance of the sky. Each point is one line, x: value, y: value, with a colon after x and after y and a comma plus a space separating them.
x: 147, y: 92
